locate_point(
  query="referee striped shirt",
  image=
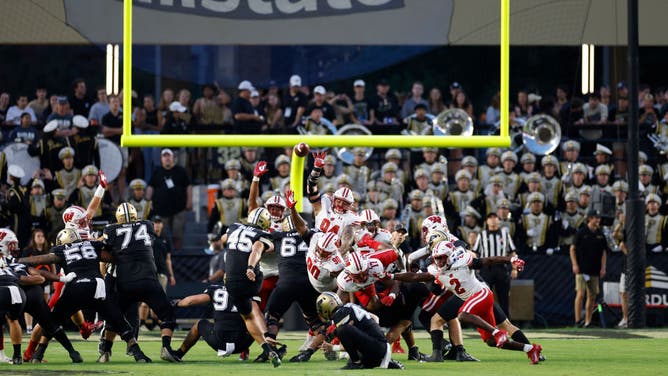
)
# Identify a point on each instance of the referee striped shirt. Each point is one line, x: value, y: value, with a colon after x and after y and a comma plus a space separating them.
x: 494, y: 243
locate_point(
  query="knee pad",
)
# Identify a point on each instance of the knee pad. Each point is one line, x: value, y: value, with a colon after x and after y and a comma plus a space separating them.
x: 171, y: 324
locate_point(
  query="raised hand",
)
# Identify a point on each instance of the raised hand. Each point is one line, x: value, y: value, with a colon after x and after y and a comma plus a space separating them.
x: 290, y: 199
x: 517, y: 263
x: 103, y: 179
x: 260, y: 169
x: 319, y: 159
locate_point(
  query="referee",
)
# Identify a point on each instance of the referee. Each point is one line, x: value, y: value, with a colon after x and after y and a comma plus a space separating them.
x: 493, y: 241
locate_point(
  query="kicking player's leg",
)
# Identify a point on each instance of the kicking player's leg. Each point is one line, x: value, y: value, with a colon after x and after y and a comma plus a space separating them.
x: 361, y: 347
x: 193, y: 336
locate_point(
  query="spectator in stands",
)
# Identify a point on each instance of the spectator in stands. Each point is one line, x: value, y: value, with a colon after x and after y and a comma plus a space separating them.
x: 233, y: 171
x: 84, y: 193
x: 258, y: 109
x: 551, y: 184
x: 664, y: 107
x: 511, y: 179
x: 229, y: 208
x: 522, y: 108
x: 436, y: 103
x: 416, y: 98
x: 274, y: 114
x: 38, y: 202
x: 455, y: 88
x: 138, y: 199
x: 418, y: 123
x: 4, y: 107
x: 493, y: 115
x: 536, y: 231
x: 319, y: 101
x: 40, y: 103
x: 184, y: 98
x: 588, y: 257
x: 413, y: 215
x: 69, y: 176
x: 224, y: 101
x: 561, y: 101
x: 51, y: 108
x: 79, y: 102
x: 619, y: 113
x: 25, y: 133
x: 491, y: 166
x: 569, y: 222
x: 245, y: 119
x: 594, y: 111
x: 294, y: 104
x: 573, y: 114
x: 343, y: 108
x: 462, y: 102
x: 358, y: 171
x: 528, y: 162
x: 469, y: 229
x: 166, y: 100
x: 171, y: 193
x: 112, y: 129
x: 206, y: 109
x: 604, y: 93
x: 14, y: 113
x: 54, y: 213
x: 361, y: 105
x: 100, y: 108
x: 175, y: 121
x: 328, y: 175
x: 17, y: 205
x: 648, y: 114
x: 384, y: 105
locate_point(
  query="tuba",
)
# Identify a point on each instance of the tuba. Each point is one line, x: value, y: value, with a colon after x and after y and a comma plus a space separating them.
x: 345, y: 154
x: 541, y: 134
x: 453, y: 122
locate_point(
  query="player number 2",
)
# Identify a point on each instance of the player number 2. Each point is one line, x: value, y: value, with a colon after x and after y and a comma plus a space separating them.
x: 458, y: 286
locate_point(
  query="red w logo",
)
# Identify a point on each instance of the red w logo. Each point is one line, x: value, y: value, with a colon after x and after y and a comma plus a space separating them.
x: 68, y: 217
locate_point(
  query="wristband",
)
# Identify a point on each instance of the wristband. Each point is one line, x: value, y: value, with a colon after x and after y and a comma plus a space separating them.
x: 255, y: 178
x: 393, y: 295
x: 99, y: 192
x: 251, y: 267
x: 390, y: 275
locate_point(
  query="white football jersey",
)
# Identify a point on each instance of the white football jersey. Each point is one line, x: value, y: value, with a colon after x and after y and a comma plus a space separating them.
x: 458, y: 278
x: 376, y: 273
x: 319, y: 270
x: 329, y: 221
x: 275, y: 226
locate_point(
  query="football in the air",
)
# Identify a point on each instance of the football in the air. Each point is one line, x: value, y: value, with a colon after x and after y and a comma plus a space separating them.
x: 302, y: 149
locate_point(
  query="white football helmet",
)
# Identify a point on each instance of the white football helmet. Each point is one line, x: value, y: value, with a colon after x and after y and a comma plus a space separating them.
x: 433, y: 222
x: 443, y: 249
x: 9, y: 243
x: 328, y: 243
x: 356, y: 264
x: 276, y: 206
x: 368, y: 215
x: 75, y: 218
x: 343, y: 199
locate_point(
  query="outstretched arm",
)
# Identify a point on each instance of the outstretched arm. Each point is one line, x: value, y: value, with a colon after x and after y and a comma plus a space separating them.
x: 49, y: 258
x: 97, y: 197
x: 192, y: 300
x: 412, y: 277
x: 260, y: 169
x: 312, y: 184
x: 297, y: 220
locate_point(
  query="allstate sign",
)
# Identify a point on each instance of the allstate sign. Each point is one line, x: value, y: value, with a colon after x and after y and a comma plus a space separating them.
x: 269, y: 9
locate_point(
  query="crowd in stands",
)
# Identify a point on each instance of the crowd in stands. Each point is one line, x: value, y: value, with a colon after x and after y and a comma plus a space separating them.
x: 541, y: 199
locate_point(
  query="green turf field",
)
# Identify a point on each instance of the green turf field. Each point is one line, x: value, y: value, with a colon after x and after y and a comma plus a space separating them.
x: 568, y: 352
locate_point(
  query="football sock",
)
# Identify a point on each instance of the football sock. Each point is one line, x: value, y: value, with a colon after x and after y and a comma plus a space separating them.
x: 167, y: 342
x: 31, y: 346
x: 519, y: 336
x: 63, y: 340
x: 267, y: 348
x: 17, y: 351
x: 436, y: 340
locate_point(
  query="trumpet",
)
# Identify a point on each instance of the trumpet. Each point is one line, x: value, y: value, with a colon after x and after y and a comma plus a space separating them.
x: 660, y: 142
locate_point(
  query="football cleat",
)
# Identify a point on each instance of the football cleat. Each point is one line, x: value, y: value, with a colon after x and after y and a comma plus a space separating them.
x: 17, y: 360
x: 275, y: 358
x: 463, y: 356
x: 104, y: 357
x: 351, y: 365
x: 4, y: 358
x: 395, y: 364
x: 262, y: 358
x: 243, y: 356
x: 501, y: 338
x: 27, y: 355
x: 396, y: 347
x: 140, y: 357
x: 307, y: 344
x: 169, y: 356
x: 303, y: 356
x: 435, y: 357
x: 76, y: 357
x: 534, y: 353
x: 415, y: 354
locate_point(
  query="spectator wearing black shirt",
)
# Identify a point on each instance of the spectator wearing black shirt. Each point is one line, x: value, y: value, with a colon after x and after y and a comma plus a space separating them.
x: 320, y: 102
x: 246, y: 121
x: 171, y: 192
x: 362, y: 111
x: 79, y: 102
x: 588, y: 258
x: 294, y: 104
x: 384, y: 105
x: 258, y: 108
x: 112, y: 129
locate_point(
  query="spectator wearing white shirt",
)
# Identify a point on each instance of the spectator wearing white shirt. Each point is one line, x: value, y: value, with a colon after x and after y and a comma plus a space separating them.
x: 416, y: 98
x: 14, y: 113
x: 100, y: 108
x: 595, y: 112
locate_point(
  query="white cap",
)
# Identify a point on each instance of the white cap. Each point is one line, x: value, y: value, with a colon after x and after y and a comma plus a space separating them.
x: 295, y: 80
x: 167, y: 151
x: 319, y: 90
x: 245, y: 85
x: 177, y: 106
x: 80, y: 121
x: 15, y: 171
x: 50, y: 126
x: 254, y: 93
x: 359, y: 83
x: 602, y: 149
x: 534, y: 97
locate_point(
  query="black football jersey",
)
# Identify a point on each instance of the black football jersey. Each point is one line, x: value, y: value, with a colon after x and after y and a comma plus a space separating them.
x: 360, y: 318
x: 240, y: 239
x: 81, y: 257
x: 292, y: 249
x: 8, y: 276
x: 225, y: 315
x: 131, y: 245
